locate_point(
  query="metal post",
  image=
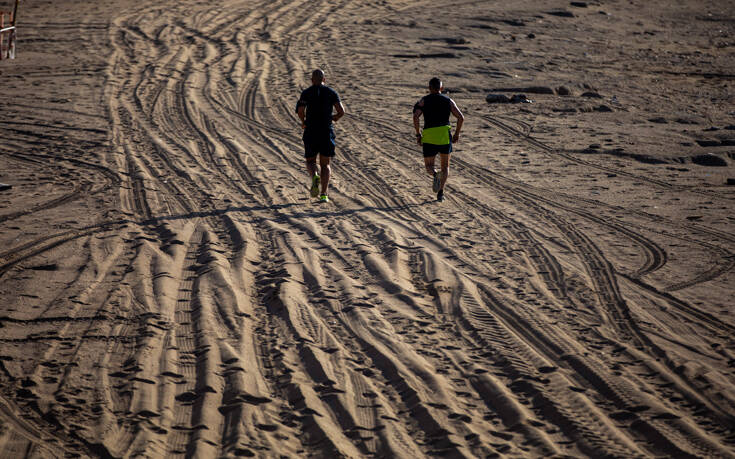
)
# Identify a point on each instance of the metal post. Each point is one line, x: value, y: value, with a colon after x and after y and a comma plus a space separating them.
x: 2, y: 35
x: 7, y: 47
x: 12, y: 38
x: 15, y: 13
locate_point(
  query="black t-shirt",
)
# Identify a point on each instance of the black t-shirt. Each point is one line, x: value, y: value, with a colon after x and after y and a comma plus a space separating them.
x: 318, y: 100
x: 436, y: 110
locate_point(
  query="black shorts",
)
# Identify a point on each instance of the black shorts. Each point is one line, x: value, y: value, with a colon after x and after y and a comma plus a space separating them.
x: 318, y: 143
x: 432, y: 150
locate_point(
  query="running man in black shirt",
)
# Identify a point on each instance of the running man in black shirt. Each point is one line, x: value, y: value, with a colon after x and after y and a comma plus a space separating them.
x: 436, y: 136
x: 315, y: 111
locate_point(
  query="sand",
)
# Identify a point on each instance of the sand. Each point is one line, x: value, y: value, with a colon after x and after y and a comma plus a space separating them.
x: 169, y: 289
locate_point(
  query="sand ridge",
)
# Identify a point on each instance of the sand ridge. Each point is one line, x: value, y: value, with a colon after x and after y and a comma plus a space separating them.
x: 172, y: 291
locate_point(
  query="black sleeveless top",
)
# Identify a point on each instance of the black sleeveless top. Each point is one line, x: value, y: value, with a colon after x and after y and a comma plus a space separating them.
x: 436, y: 109
x: 318, y: 100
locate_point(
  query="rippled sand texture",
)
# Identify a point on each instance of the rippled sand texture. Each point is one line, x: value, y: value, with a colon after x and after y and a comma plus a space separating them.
x: 170, y: 290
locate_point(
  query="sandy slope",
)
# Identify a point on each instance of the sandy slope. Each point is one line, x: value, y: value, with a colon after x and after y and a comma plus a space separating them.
x: 170, y: 290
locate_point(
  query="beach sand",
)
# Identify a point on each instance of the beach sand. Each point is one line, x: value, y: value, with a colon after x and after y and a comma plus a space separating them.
x: 169, y: 289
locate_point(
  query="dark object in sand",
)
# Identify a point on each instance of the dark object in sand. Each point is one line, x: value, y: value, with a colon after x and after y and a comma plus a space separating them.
x: 709, y: 160
x: 730, y: 181
x: 514, y: 22
x: 48, y: 267
x: 578, y: 4
x: 561, y: 13
x: 427, y: 56
x: 497, y: 99
x: 563, y: 91
x: 5, y: 186
x: 716, y: 143
x: 686, y: 121
x: 599, y: 108
x: 646, y: 159
x: 503, y: 99
x: 519, y: 99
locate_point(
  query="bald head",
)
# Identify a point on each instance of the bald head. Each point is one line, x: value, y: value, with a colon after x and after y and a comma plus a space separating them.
x: 435, y: 85
x: 317, y: 76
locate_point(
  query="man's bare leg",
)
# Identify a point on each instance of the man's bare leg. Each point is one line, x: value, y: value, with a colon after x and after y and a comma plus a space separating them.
x: 326, y: 171
x: 444, y: 169
x: 311, y: 166
x: 429, y: 163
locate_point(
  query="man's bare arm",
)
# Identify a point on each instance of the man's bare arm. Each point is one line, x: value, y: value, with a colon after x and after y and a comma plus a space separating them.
x: 416, y: 115
x: 301, y: 111
x: 340, y: 111
x: 416, y: 123
x: 460, y: 120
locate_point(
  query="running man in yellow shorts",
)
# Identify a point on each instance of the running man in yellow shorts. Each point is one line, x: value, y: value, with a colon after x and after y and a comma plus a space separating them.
x: 436, y: 137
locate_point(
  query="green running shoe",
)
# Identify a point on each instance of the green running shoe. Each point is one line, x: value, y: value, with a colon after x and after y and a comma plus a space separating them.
x: 324, y: 198
x: 315, y: 186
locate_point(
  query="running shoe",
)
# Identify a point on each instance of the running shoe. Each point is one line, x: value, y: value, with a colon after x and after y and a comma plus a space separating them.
x: 440, y: 196
x: 437, y: 181
x: 315, y: 186
x: 324, y: 198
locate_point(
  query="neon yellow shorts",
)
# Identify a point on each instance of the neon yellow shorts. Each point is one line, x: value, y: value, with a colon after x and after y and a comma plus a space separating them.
x: 436, y: 135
